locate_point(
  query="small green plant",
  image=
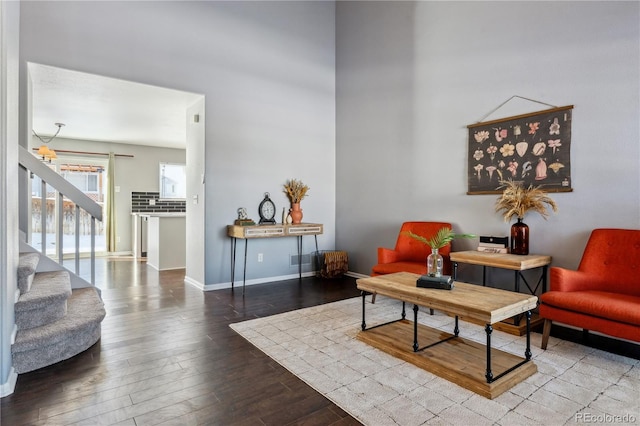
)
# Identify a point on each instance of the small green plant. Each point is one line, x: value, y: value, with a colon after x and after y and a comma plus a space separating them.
x: 443, y: 237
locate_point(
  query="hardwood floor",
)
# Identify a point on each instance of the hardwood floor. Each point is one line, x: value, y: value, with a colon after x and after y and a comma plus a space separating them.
x: 168, y: 356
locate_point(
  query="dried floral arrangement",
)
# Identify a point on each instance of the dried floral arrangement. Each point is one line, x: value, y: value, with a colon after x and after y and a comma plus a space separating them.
x: 443, y: 237
x: 516, y: 200
x: 295, y: 190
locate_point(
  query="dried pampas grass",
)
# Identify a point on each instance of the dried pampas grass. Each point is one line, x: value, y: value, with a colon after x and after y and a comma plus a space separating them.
x: 295, y: 190
x: 517, y: 200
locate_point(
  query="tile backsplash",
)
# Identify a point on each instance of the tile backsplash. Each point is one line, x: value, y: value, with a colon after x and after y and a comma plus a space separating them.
x: 140, y: 203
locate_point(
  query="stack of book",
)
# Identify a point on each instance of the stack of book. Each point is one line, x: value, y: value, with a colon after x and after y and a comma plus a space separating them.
x: 494, y: 244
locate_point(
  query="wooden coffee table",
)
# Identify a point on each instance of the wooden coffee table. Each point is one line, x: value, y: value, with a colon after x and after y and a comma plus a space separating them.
x: 479, y: 368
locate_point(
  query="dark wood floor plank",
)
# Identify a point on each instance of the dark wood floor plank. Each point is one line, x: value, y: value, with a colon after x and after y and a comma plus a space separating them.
x: 168, y: 356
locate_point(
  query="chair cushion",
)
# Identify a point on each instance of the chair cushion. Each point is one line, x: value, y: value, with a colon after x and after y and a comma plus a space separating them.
x: 614, y: 306
x: 390, y: 268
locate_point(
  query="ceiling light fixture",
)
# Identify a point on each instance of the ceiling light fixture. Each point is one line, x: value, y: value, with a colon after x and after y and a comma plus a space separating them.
x: 44, y: 151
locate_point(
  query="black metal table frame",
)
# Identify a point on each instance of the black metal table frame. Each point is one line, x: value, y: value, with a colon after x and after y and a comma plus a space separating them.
x: 234, y: 242
x: 488, y: 330
x: 518, y: 275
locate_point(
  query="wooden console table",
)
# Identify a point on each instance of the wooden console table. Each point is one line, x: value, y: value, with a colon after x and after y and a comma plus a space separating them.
x: 246, y: 233
x: 514, y: 262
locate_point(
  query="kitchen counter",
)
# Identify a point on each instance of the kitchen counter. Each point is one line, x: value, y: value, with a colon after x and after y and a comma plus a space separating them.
x: 164, y: 239
x: 162, y: 214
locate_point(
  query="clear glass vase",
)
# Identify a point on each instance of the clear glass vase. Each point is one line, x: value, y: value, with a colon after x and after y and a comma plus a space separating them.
x: 434, y: 264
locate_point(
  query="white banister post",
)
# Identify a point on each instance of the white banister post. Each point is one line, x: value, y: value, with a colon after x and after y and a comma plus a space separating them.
x: 43, y: 216
x: 77, y: 239
x: 93, y: 250
x: 60, y: 227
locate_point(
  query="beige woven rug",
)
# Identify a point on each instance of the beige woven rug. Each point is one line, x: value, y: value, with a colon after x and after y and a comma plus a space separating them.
x: 575, y: 384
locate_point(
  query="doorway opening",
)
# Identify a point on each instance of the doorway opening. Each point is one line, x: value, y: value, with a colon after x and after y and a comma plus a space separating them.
x: 104, y: 114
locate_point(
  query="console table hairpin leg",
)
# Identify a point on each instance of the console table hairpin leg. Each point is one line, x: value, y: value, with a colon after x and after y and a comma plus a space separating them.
x: 234, y: 242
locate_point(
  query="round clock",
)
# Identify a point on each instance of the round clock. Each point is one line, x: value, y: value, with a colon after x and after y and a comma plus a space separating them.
x: 267, y: 210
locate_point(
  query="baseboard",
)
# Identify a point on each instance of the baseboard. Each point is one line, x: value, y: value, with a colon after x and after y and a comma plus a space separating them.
x: 119, y: 254
x: 9, y: 386
x: 238, y: 284
x: 173, y: 268
x: 195, y: 283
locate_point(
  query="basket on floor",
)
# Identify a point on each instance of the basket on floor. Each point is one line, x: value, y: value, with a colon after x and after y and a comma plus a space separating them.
x: 331, y: 264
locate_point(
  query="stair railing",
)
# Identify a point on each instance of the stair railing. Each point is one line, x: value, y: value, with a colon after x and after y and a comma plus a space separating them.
x: 64, y: 189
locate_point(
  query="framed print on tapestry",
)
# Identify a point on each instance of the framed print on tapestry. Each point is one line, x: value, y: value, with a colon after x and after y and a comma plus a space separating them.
x: 530, y: 148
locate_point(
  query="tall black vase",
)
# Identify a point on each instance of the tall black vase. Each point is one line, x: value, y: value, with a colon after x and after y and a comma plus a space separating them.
x: 520, y: 237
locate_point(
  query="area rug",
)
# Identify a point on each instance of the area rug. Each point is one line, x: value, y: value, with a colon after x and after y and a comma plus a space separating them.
x: 574, y: 383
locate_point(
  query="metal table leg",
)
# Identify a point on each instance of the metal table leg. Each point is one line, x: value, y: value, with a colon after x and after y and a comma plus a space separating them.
x: 300, y: 257
x: 415, y: 328
x: 527, y: 352
x: 489, y: 375
x: 244, y: 272
x: 233, y: 261
x: 364, y: 324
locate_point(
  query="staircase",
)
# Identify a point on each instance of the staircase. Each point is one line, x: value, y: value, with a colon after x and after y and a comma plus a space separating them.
x: 54, y: 321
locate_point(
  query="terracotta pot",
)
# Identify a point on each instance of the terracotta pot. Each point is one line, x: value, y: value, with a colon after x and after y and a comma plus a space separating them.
x: 296, y: 213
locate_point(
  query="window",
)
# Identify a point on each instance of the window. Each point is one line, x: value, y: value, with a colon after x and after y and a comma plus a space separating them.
x: 173, y: 181
x: 85, y: 178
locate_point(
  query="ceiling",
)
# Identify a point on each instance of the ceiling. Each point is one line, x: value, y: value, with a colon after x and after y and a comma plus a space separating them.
x: 97, y: 108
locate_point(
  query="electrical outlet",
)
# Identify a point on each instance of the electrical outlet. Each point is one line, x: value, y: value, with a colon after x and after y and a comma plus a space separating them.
x: 260, y: 257
x: 118, y: 239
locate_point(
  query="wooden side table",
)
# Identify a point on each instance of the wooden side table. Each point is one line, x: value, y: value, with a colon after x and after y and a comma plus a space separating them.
x: 514, y: 262
x: 246, y: 233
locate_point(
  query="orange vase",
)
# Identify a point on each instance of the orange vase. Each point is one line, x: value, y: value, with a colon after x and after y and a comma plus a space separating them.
x: 296, y: 213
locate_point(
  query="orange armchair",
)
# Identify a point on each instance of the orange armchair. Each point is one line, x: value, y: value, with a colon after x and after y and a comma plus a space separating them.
x: 603, y: 295
x: 410, y: 255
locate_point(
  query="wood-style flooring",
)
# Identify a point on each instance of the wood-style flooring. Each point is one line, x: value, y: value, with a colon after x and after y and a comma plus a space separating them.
x: 167, y: 356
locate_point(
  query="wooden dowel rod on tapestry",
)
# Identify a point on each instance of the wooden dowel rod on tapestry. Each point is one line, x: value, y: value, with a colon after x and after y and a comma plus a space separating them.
x: 518, y: 117
x: 64, y: 151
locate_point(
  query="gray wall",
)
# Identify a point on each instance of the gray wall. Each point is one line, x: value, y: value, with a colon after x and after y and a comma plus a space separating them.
x: 139, y: 173
x: 266, y: 70
x: 9, y: 42
x: 411, y: 76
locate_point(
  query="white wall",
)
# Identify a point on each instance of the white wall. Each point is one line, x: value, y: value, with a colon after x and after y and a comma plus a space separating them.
x: 195, y: 261
x: 412, y: 76
x: 266, y: 70
x: 9, y: 42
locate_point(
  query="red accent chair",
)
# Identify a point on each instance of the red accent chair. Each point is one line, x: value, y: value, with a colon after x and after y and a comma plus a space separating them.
x: 410, y: 255
x: 603, y: 295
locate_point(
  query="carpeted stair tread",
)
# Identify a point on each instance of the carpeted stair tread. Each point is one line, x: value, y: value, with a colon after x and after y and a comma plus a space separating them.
x: 26, y: 269
x: 84, y: 307
x: 76, y: 332
x: 47, y: 287
x: 46, y: 302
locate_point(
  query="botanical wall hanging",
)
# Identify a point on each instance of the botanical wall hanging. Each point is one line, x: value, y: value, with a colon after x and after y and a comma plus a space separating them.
x: 532, y: 149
